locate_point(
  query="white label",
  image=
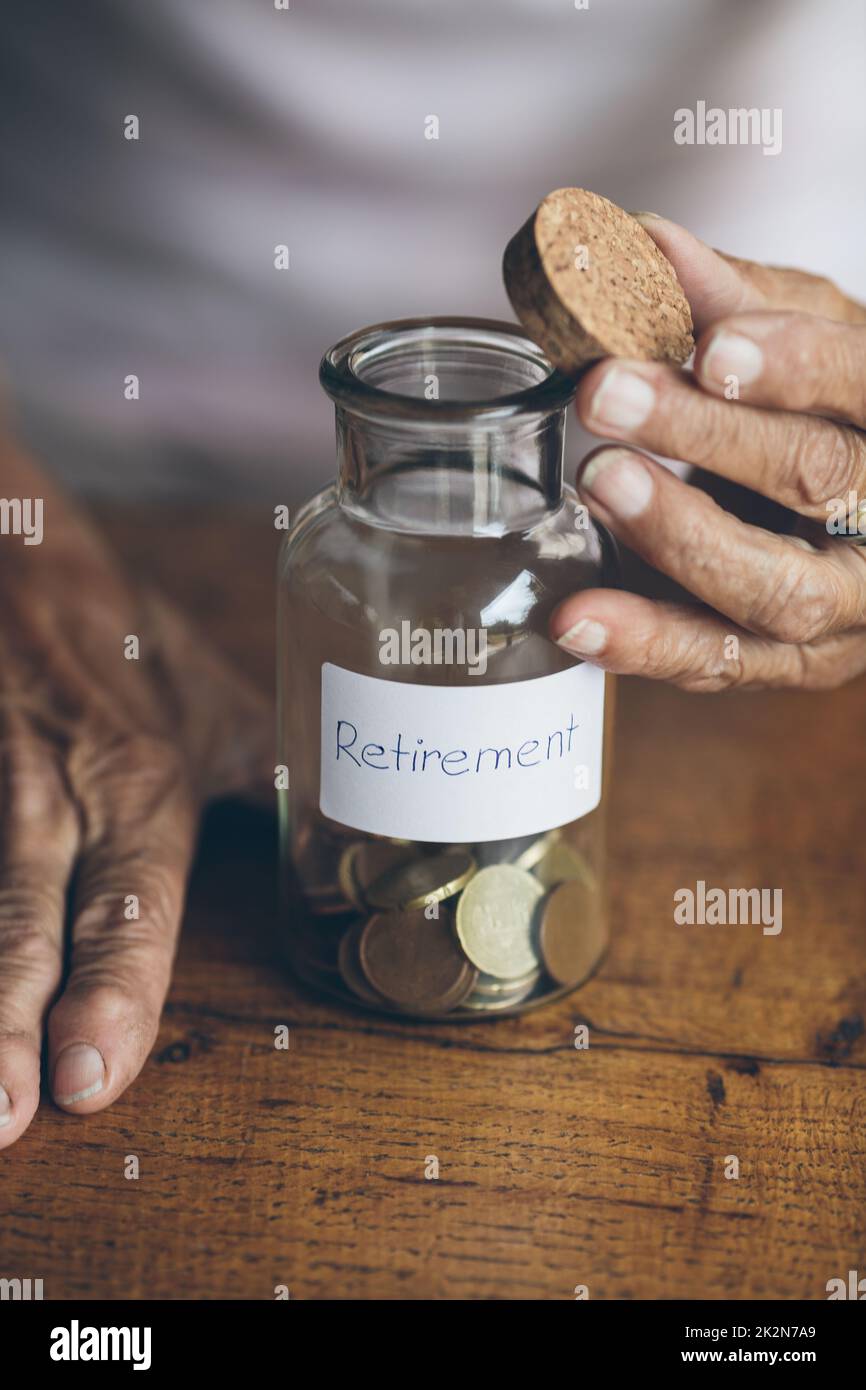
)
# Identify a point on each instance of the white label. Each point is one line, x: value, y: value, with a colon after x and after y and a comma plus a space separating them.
x: 461, y: 763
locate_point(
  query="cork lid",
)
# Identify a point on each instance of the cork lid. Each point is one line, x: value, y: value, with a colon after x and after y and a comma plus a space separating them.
x: 586, y: 281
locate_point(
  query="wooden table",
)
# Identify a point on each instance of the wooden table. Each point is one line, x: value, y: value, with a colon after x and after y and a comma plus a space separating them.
x: 558, y: 1167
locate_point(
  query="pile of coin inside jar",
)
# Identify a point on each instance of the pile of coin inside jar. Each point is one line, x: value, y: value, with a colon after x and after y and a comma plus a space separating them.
x: 456, y: 930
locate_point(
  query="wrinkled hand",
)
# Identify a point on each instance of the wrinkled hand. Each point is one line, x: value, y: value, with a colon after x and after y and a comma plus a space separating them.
x: 105, y: 764
x: 777, y: 403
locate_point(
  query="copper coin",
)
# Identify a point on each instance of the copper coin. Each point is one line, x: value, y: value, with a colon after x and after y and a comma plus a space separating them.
x: 415, y: 961
x: 316, y: 855
x: 350, y: 968
x: 533, y: 853
x: 572, y: 935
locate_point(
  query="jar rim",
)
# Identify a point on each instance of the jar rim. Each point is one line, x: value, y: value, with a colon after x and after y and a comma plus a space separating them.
x: 341, y: 381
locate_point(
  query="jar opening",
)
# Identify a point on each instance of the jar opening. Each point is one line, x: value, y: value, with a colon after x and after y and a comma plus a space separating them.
x: 443, y: 368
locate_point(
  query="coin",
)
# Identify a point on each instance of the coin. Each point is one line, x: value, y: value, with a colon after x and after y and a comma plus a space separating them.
x: 316, y: 855
x: 559, y: 863
x: 365, y: 861
x: 421, y: 881
x: 495, y: 917
x: 350, y: 968
x: 490, y: 1003
x: 346, y: 874
x: 536, y: 851
x: 415, y: 961
x: 572, y: 934
x: 492, y: 985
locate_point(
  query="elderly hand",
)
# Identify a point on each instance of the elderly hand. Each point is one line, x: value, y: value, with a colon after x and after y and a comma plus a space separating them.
x: 777, y: 403
x: 105, y: 763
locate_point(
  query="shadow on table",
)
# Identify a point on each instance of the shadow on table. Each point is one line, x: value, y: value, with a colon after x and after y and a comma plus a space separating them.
x: 233, y: 906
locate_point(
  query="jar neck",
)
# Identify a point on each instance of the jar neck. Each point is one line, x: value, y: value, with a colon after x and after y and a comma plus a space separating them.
x: 466, y: 479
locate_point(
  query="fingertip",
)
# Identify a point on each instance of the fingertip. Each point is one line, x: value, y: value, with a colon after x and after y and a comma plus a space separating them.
x: 756, y: 331
x: 586, y: 638
x: 79, y: 1078
x: 99, y: 1039
x: 610, y: 628
x: 654, y: 220
x: 728, y: 360
x: 711, y: 284
x: 618, y: 395
x: 674, y: 241
x: 583, y: 623
x: 19, y: 1087
x: 587, y: 388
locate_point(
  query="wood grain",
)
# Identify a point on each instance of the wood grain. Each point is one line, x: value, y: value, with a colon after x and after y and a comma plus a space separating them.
x: 558, y: 1167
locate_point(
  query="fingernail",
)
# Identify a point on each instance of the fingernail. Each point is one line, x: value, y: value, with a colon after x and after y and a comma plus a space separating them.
x: 651, y: 216
x: 619, y: 481
x: 622, y: 401
x: 729, y: 354
x: 586, y: 638
x: 5, y: 1108
x: 78, y: 1074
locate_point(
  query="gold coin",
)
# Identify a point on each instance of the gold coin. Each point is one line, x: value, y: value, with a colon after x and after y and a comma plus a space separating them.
x: 430, y: 879
x: 572, y: 934
x: 365, y: 861
x: 560, y: 863
x: 346, y: 874
x: 536, y: 851
x: 495, y: 920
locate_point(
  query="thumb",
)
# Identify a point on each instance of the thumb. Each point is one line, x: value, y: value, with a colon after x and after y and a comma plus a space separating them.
x: 717, y: 285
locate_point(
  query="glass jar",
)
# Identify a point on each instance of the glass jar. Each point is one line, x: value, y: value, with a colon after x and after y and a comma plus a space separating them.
x: 442, y: 830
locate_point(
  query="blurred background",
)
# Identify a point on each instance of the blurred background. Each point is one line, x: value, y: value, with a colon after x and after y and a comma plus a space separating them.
x: 307, y: 127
